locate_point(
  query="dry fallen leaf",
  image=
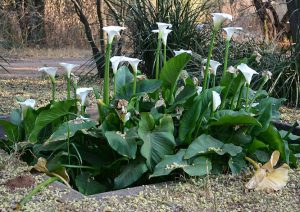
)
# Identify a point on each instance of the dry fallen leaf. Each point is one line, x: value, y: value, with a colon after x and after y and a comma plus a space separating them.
x: 266, y: 177
x: 62, y: 174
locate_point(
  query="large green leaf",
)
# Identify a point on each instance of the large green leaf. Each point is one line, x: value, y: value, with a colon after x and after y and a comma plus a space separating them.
x: 272, y: 137
x: 68, y: 129
x: 142, y: 87
x: 183, y: 96
x: 229, y: 117
x: 130, y: 174
x: 11, y: 130
x: 276, y: 104
x: 30, y: 116
x: 264, y: 118
x: 237, y: 163
x: 87, y: 185
x: 172, y: 69
x: 123, y: 145
x: 206, y: 143
x: 190, y: 117
x: 56, y: 111
x: 123, y: 78
x: 198, y: 167
x: 158, y: 140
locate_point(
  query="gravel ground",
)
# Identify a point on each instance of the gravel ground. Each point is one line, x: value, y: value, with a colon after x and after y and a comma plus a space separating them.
x: 223, y: 193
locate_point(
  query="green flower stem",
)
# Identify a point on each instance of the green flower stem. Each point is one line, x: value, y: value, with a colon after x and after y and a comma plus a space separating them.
x: 206, y: 73
x: 226, y: 56
x: 36, y: 190
x: 53, y: 89
x: 247, y: 98
x: 115, y: 86
x: 106, y: 74
x: 238, y: 106
x: 165, y: 54
x: 214, y: 81
x: 69, y: 89
x: 226, y: 94
x: 265, y: 80
x: 82, y: 110
x: 68, y: 144
x: 259, y: 90
x: 232, y: 102
x: 157, y: 58
x: 134, y: 81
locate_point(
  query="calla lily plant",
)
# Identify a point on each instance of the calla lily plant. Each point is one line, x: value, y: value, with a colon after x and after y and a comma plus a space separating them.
x: 218, y: 19
x: 51, y: 71
x: 69, y: 68
x: 83, y: 93
x: 111, y: 31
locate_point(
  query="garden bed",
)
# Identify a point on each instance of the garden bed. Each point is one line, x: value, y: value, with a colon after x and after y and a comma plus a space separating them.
x: 192, y: 195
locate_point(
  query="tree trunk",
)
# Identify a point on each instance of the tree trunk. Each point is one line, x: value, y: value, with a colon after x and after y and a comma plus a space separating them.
x: 102, y: 23
x: 294, y: 16
x: 99, y: 60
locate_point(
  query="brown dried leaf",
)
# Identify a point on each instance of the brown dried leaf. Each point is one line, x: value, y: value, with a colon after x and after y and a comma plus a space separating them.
x: 268, y: 178
x: 275, y: 180
x: 272, y: 162
x: 41, y: 166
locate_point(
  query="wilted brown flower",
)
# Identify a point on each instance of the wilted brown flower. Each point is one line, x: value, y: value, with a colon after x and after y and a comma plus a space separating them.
x: 266, y: 177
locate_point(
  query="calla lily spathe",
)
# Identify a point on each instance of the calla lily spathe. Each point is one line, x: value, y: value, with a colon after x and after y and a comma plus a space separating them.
x: 214, y: 65
x: 164, y: 35
x: 134, y: 62
x: 247, y: 72
x: 163, y: 31
x: 216, y: 100
x: 112, y: 31
x: 230, y: 31
x: 181, y: 51
x: 219, y: 18
x: 82, y: 93
x: 68, y: 67
x: 51, y: 71
x: 115, y: 61
x: 199, y: 89
x: 163, y: 26
x: 27, y: 103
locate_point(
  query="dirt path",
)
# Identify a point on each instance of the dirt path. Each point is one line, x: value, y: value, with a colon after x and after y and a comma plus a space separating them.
x: 29, y: 67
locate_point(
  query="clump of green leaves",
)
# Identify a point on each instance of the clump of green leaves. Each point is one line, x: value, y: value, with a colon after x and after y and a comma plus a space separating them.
x: 154, y: 128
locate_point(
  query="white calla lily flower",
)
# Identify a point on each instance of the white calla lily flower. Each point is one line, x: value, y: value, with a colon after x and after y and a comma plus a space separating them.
x: 181, y: 51
x: 219, y: 18
x: 112, y: 31
x: 82, y: 93
x: 216, y: 100
x: 247, y: 72
x: 163, y: 26
x: 199, y: 89
x: 115, y: 61
x: 231, y: 30
x: 27, y: 103
x: 165, y: 36
x: 214, y: 66
x: 51, y: 71
x: 134, y: 62
x: 68, y: 67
